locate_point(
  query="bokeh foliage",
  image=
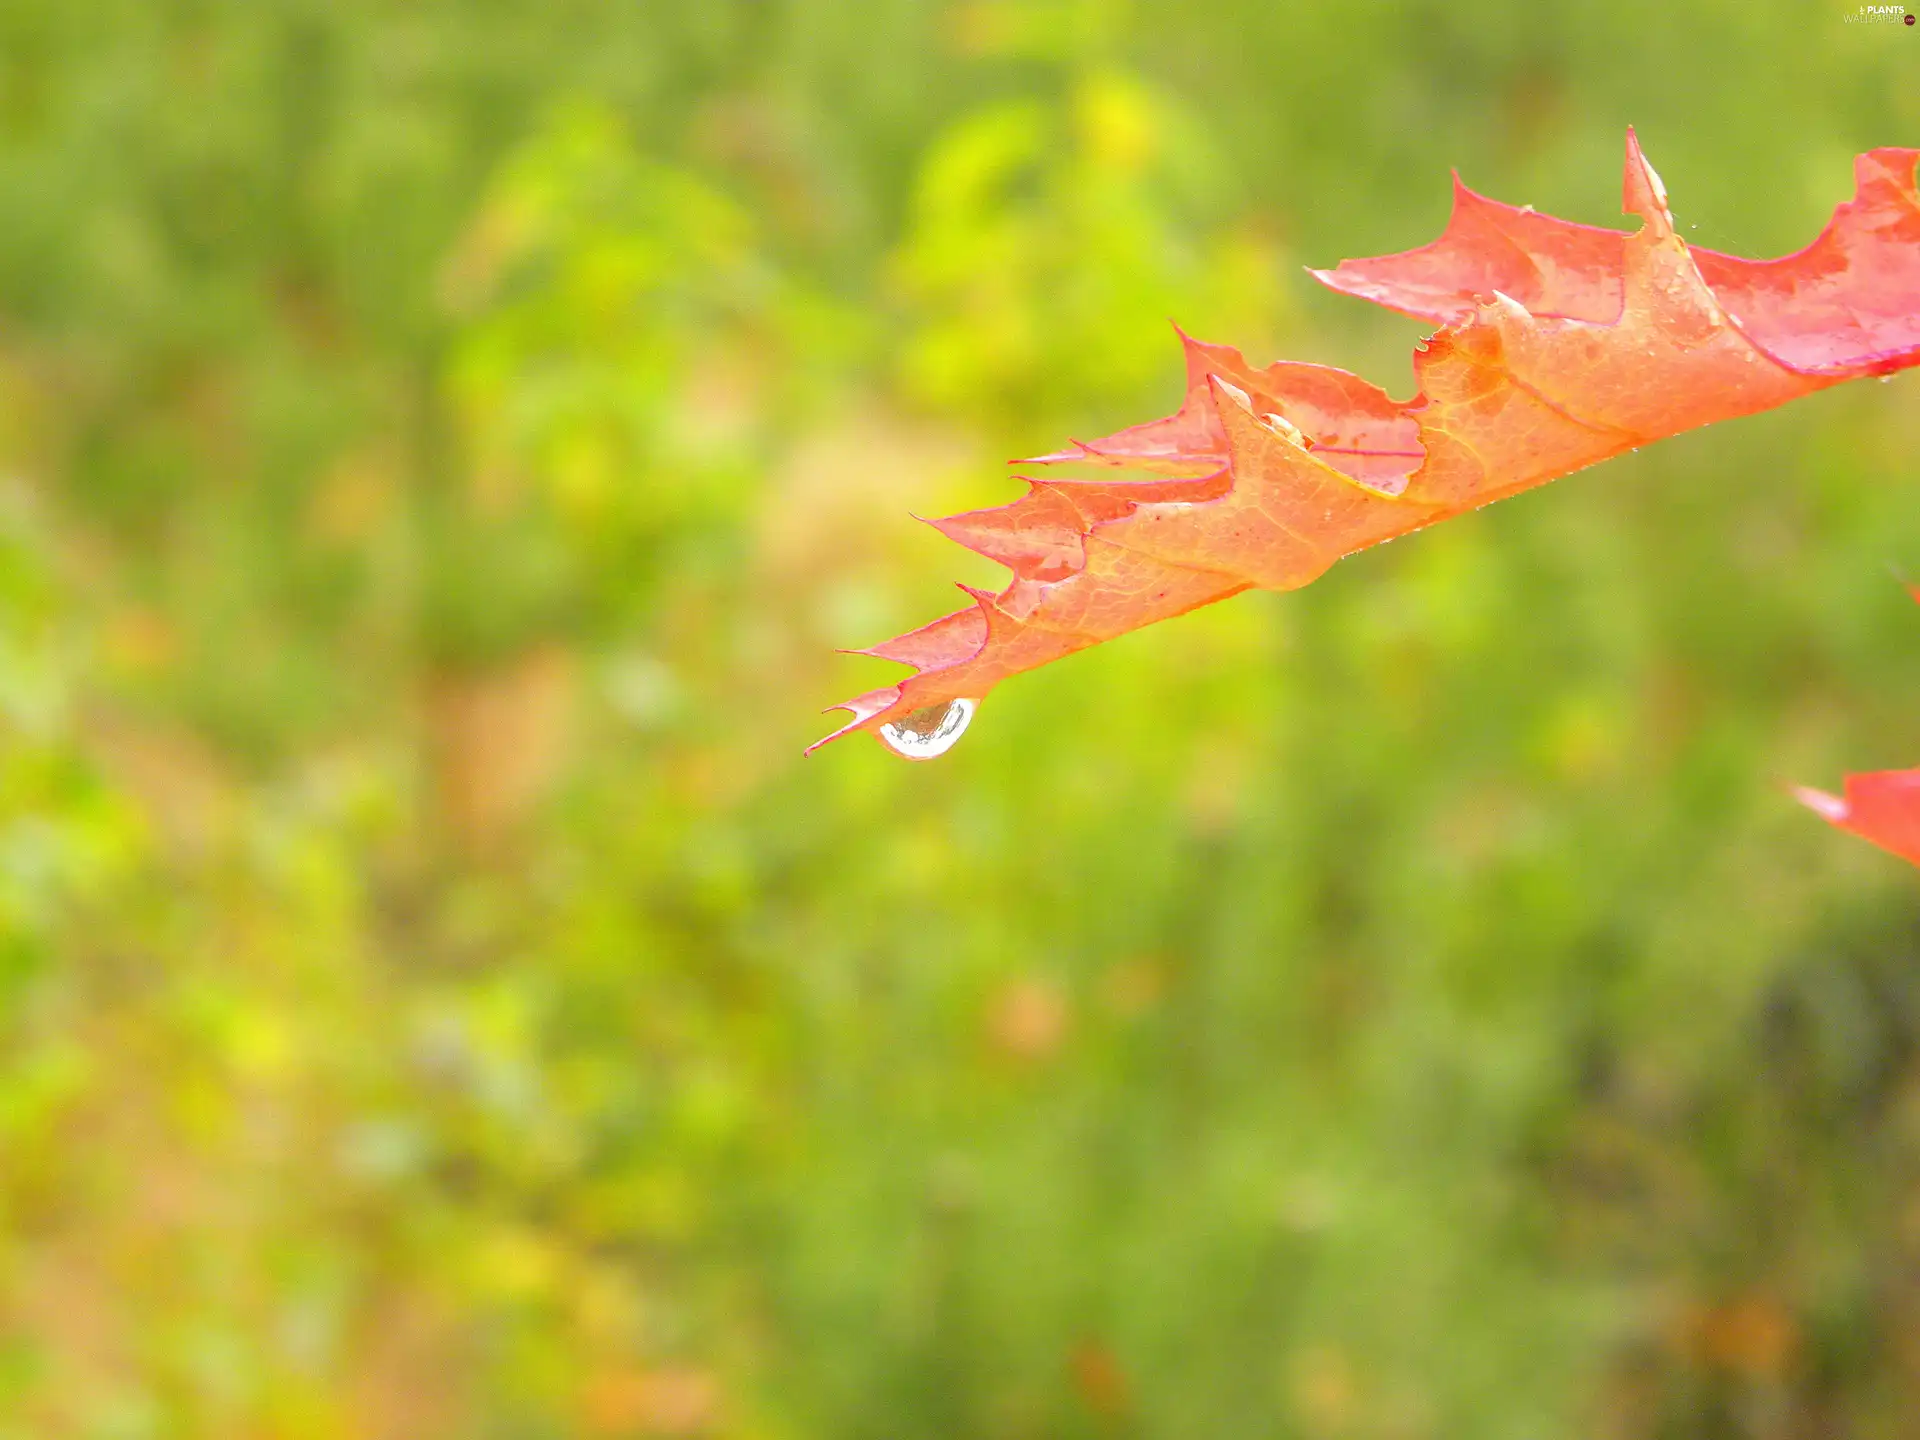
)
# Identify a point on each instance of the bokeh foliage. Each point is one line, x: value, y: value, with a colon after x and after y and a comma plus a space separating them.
x: 440, y: 446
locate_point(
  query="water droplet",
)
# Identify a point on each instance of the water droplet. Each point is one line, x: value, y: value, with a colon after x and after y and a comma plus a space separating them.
x: 930, y: 730
x: 1284, y: 428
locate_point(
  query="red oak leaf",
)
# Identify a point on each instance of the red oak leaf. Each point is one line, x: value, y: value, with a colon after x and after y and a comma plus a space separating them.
x: 1882, y: 806
x: 1560, y: 345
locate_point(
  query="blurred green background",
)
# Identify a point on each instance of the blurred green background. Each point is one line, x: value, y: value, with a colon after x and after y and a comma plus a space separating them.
x: 440, y: 447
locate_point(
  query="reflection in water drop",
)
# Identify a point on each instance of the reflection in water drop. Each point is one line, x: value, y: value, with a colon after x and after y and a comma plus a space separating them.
x: 929, y: 731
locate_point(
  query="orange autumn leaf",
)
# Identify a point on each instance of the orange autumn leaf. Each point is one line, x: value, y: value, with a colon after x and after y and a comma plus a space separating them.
x: 1560, y: 345
x: 1882, y: 806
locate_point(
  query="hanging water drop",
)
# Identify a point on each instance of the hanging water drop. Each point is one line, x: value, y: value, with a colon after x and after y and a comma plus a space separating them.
x: 930, y: 730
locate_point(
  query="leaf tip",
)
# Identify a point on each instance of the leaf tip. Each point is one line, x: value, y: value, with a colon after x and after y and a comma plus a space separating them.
x: 1827, y: 806
x: 1221, y: 387
x: 1642, y: 192
x: 863, y: 708
x: 1080, y: 451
